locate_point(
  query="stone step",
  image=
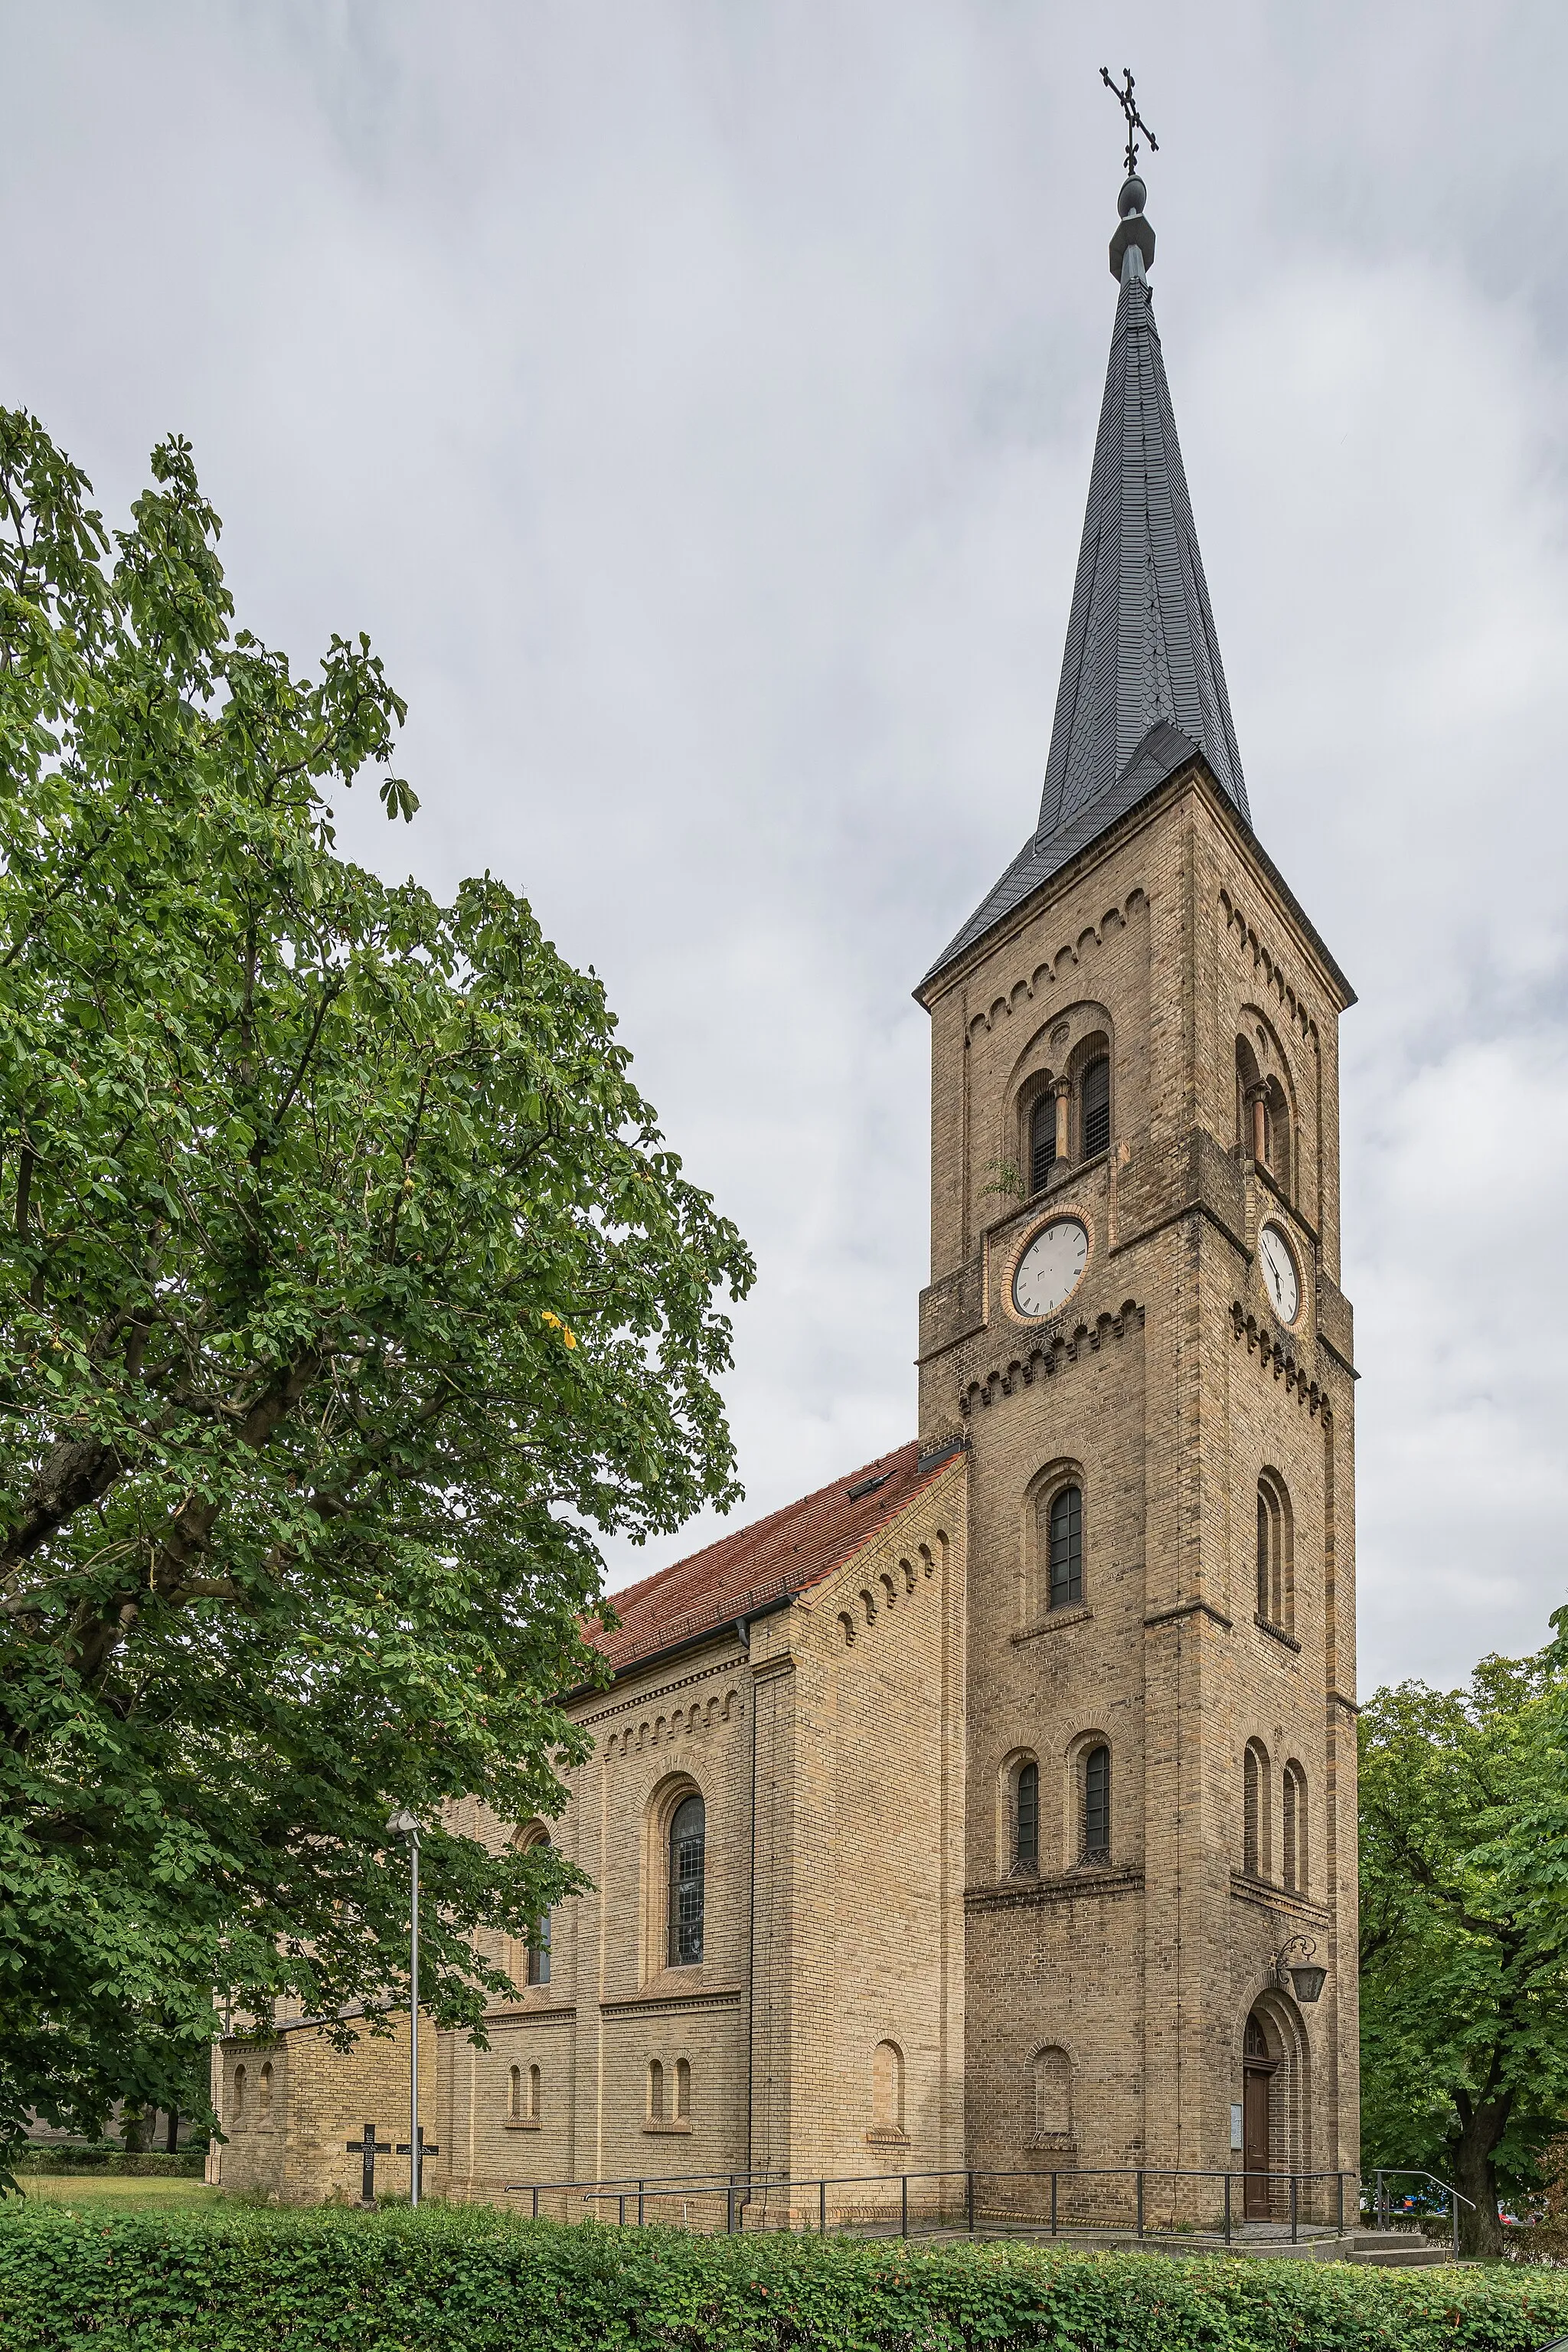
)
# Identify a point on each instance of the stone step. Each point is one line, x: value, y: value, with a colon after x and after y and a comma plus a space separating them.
x: 1422, y: 2256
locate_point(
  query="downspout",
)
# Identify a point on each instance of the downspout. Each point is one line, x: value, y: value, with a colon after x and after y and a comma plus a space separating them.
x: 743, y: 1635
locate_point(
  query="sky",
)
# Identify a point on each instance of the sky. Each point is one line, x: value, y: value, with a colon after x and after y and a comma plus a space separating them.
x: 695, y: 402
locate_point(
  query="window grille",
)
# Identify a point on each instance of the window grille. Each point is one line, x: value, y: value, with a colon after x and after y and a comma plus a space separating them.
x: 687, y: 1835
x: 1027, y: 1818
x: 1042, y: 1141
x: 1097, y: 1805
x: 1066, y: 1543
x: 1094, y: 1108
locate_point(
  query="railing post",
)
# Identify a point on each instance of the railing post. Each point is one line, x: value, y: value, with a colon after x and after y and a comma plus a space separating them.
x: 641, y: 2187
x: 730, y: 2209
x: 903, y: 2204
x: 536, y: 2204
x: 1454, y: 2213
x: 822, y: 2208
x: 1052, y: 2204
x: 1295, y: 2185
x: 621, y: 2209
x: 969, y: 2202
x: 1139, y: 2200
x: 1340, y: 2182
x: 1380, y: 2209
x: 1227, y: 2209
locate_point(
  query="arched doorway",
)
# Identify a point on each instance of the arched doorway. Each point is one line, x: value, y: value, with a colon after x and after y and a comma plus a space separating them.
x: 1258, y: 2067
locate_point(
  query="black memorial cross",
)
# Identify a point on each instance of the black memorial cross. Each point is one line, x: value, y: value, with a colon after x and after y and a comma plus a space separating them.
x: 427, y: 2148
x: 1135, y: 122
x: 367, y: 2148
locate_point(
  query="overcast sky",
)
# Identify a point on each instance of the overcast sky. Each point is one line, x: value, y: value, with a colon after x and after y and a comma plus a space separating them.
x: 695, y: 403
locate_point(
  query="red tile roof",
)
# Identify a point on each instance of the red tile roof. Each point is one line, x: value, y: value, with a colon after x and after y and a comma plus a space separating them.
x: 786, y: 1552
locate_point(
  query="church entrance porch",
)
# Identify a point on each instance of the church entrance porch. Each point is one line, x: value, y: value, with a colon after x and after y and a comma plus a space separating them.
x: 1258, y: 2076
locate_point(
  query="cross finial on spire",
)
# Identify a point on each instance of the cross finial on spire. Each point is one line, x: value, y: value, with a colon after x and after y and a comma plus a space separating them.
x: 1135, y: 122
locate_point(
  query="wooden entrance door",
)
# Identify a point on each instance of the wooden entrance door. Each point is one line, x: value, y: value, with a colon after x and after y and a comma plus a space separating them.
x: 1257, y: 2069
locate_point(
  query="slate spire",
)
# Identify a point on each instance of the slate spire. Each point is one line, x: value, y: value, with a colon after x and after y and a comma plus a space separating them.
x: 1141, y: 647
x: 1142, y: 688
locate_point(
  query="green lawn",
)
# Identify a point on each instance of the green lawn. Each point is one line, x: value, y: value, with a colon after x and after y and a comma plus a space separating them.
x: 93, y: 2192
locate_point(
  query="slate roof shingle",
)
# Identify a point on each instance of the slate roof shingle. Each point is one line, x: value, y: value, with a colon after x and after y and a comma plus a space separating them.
x: 783, y: 1553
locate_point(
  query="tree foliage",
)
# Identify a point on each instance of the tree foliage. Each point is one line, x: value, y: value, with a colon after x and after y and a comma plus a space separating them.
x: 346, y: 1287
x: 1464, y: 1940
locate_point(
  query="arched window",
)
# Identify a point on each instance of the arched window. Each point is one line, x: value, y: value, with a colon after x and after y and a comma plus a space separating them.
x: 687, y: 1838
x: 683, y: 2090
x: 1052, y: 2088
x: 655, y: 2091
x: 1064, y: 1546
x: 538, y: 1942
x: 1096, y: 1804
x: 533, y: 2094
x: 239, y: 2094
x: 1276, y: 1574
x: 266, y: 2091
x: 1026, y: 1817
x: 1293, y: 1828
x: 1255, y: 1822
x: 1042, y: 1140
x: 514, y: 2095
x: 887, y: 2090
x: 1094, y: 1108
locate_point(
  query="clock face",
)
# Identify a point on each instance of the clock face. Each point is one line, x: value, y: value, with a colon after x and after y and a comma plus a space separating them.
x: 1279, y: 1276
x: 1051, y: 1268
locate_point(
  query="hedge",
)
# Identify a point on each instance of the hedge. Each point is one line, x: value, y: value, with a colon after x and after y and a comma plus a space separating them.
x: 106, y: 2156
x: 237, y: 2279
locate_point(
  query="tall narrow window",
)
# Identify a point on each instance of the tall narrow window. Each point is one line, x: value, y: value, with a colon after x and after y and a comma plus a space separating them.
x: 1275, y: 1567
x: 1042, y: 1141
x: 1065, y: 1542
x: 1255, y: 1821
x: 239, y: 2094
x: 533, y: 2098
x: 655, y: 2091
x: 1293, y: 1828
x: 1097, y: 1805
x: 1026, y: 1817
x: 266, y: 2091
x: 514, y: 2096
x: 683, y: 2090
x: 688, y: 1837
x: 539, y: 1941
x: 1094, y: 1108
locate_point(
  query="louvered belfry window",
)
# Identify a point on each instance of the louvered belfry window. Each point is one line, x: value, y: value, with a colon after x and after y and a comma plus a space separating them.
x: 1042, y: 1142
x: 1026, y: 1821
x: 687, y: 1838
x: 1097, y: 1805
x: 1094, y: 1108
x: 1065, y: 1542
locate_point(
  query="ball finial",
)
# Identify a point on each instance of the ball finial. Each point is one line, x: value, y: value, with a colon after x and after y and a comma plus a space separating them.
x: 1133, y: 197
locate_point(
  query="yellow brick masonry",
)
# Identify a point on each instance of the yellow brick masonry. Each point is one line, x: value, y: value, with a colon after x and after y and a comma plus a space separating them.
x: 1171, y: 1387
x: 854, y: 1749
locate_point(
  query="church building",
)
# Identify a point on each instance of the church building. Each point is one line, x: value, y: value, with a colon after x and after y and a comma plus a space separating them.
x: 994, y: 1807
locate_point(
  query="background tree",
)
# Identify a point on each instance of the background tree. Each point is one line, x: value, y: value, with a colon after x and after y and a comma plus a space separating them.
x: 345, y: 1287
x: 1463, y: 1940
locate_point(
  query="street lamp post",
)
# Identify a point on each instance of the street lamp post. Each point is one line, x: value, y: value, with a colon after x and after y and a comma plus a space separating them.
x: 405, y: 1825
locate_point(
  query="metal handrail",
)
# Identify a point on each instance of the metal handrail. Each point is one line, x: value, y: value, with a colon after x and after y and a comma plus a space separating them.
x: 1414, y: 2173
x: 739, y: 2187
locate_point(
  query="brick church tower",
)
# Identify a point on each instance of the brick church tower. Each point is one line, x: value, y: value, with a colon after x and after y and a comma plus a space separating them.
x: 1134, y: 1316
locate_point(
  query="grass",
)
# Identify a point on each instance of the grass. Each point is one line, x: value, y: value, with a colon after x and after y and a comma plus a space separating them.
x: 130, y: 2194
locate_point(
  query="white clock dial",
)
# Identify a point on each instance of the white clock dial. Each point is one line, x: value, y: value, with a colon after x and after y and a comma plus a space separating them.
x: 1051, y: 1268
x: 1279, y: 1276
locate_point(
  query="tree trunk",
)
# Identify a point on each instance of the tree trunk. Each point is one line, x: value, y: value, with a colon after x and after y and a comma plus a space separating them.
x: 173, y: 2142
x: 1481, y: 2127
